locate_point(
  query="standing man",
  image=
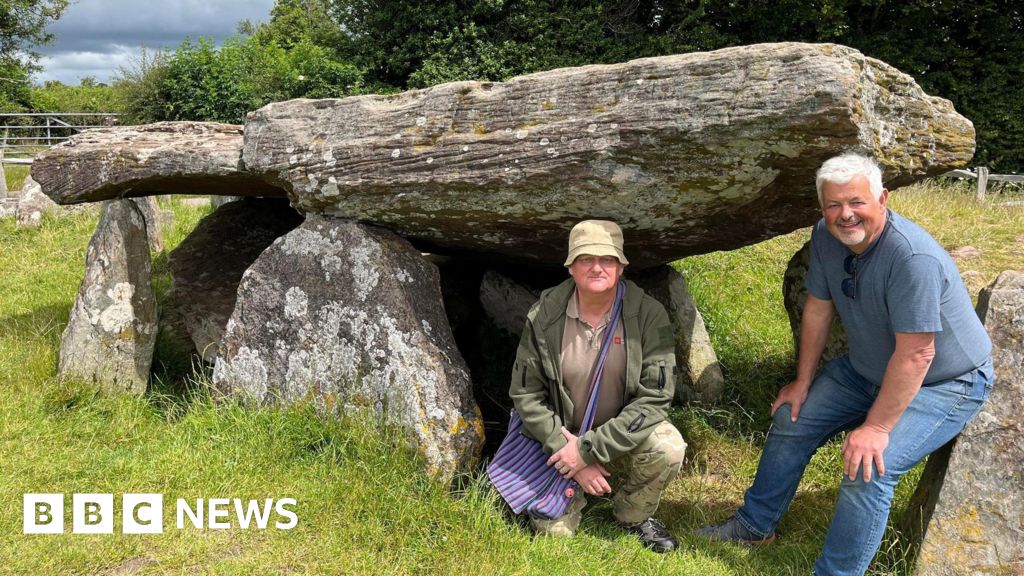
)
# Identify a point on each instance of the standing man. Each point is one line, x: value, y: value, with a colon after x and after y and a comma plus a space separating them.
x: 918, y: 368
x: 553, y: 371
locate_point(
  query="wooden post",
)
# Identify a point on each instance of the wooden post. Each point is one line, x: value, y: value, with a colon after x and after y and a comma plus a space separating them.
x: 982, y: 182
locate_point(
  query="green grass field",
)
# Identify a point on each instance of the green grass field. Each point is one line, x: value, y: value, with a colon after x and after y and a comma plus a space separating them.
x: 364, y: 507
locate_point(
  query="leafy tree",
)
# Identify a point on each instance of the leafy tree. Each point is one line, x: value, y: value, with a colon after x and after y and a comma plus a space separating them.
x: 202, y: 82
x: 22, y: 28
x: 138, y: 87
x: 87, y: 96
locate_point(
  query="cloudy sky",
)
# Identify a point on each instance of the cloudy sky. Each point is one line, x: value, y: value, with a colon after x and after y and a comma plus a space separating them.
x: 95, y: 37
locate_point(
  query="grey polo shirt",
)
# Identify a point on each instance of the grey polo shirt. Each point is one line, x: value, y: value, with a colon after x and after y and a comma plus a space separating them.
x: 581, y: 344
x: 905, y: 282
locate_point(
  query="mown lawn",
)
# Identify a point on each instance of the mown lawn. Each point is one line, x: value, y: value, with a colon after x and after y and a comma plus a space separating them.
x: 363, y: 505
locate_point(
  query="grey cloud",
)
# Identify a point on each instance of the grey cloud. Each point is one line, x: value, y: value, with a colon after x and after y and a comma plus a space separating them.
x: 92, y: 32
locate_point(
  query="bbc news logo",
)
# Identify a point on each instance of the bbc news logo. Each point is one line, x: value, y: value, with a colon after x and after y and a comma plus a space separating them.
x: 144, y: 513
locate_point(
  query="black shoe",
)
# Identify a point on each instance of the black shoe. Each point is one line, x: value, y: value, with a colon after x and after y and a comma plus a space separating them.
x: 654, y: 535
x: 732, y: 530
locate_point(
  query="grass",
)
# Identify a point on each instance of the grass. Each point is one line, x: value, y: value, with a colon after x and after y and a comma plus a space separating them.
x: 15, y: 175
x: 363, y: 504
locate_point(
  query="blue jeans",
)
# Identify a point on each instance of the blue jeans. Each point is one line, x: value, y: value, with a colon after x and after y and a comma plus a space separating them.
x: 839, y: 399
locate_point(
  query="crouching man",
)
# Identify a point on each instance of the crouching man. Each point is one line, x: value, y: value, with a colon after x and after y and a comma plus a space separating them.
x: 551, y: 380
x: 918, y: 368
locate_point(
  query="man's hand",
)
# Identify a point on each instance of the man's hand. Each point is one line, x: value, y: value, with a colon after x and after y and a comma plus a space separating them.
x: 592, y: 480
x: 567, y: 460
x: 793, y: 394
x: 864, y: 447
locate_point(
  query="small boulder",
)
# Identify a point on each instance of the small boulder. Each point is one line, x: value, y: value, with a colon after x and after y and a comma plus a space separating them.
x: 350, y: 317
x: 208, y: 265
x: 110, y: 335
x: 32, y: 204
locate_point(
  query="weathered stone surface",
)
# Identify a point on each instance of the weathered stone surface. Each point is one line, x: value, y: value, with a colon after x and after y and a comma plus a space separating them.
x: 677, y: 149
x: 218, y: 201
x: 794, y: 295
x: 208, y: 265
x: 32, y: 204
x: 110, y: 335
x: 8, y: 207
x: 161, y: 158
x: 151, y: 212
x: 349, y: 316
x: 976, y: 526
x: 698, y: 375
x: 506, y: 302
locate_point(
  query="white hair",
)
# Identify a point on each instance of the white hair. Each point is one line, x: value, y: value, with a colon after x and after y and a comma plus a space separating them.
x: 843, y: 168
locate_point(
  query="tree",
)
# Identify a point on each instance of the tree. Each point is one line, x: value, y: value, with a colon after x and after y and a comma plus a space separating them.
x: 22, y: 28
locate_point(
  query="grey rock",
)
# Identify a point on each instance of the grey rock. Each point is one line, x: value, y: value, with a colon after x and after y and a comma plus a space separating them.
x: 675, y: 148
x: 161, y: 158
x: 8, y: 207
x: 350, y: 317
x: 218, y: 201
x: 976, y: 501
x: 208, y: 265
x: 110, y: 335
x: 506, y: 301
x: 32, y: 204
x: 699, y: 375
x: 794, y: 295
x: 154, y: 217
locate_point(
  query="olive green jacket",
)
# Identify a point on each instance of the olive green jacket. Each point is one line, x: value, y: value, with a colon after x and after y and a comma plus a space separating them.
x: 542, y: 399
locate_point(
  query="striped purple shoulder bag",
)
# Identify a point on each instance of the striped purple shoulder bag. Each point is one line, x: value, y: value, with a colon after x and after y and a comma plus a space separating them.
x: 519, y: 470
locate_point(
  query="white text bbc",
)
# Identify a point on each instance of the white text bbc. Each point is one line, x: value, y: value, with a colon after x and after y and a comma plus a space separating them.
x: 144, y: 513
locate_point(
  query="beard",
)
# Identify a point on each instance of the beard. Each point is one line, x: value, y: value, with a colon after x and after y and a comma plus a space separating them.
x: 849, y: 236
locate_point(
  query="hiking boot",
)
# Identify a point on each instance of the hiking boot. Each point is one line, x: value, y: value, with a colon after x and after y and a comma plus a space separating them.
x: 732, y: 530
x: 654, y: 535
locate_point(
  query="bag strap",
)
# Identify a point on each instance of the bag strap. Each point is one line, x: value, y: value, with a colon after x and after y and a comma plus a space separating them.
x: 595, y: 384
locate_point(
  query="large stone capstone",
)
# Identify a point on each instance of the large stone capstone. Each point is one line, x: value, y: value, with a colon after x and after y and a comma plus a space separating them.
x: 349, y: 316
x: 689, y: 153
x: 977, y: 526
x: 112, y: 330
x: 160, y: 158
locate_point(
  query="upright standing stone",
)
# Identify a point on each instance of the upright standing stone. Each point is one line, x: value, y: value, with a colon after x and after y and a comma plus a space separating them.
x: 794, y: 295
x: 208, y: 265
x: 977, y: 526
x: 150, y: 211
x: 506, y: 301
x: 110, y: 335
x: 699, y: 375
x: 349, y: 316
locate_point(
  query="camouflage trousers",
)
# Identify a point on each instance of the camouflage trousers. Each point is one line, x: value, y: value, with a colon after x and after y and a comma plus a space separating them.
x: 637, y: 481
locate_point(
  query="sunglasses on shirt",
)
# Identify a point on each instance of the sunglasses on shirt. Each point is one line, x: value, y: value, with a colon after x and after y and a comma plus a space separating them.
x: 849, y: 284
